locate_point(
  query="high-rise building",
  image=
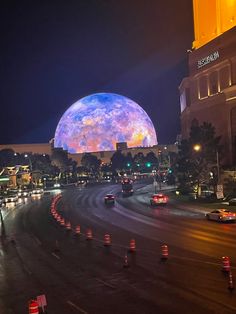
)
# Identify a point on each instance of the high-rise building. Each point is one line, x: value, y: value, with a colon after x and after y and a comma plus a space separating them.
x: 209, y: 92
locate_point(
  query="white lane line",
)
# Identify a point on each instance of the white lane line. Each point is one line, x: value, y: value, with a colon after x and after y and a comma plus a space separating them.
x: 76, y: 307
x: 37, y: 240
x: 55, y: 255
x: 105, y: 283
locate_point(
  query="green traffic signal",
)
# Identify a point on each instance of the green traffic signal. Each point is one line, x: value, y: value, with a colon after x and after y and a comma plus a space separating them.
x: 148, y: 164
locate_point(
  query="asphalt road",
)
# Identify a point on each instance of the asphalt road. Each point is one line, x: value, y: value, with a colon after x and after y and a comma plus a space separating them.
x: 38, y: 256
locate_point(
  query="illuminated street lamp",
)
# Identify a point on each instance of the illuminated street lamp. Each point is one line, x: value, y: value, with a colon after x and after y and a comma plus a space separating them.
x: 197, y: 147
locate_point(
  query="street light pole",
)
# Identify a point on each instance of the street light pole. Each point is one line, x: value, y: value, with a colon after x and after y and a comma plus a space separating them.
x: 218, y: 166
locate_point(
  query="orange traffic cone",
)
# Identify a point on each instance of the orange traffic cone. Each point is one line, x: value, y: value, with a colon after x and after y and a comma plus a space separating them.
x: 164, y: 252
x: 126, y: 262
x: 231, y: 282
x: 132, y: 245
x: 89, y: 234
x: 33, y: 307
x: 62, y: 222
x: 107, y: 239
x: 68, y: 226
x: 225, y: 264
x: 77, y: 230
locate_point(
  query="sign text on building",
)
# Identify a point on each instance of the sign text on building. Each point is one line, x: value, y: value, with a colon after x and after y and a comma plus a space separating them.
x: 204, y: 61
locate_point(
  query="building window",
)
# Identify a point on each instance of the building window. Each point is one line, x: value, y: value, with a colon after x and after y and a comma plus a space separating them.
x: 203, y: 87
x: 224, y: 78
x: 213, y: 83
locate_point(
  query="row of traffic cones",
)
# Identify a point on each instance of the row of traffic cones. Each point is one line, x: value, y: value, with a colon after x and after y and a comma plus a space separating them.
x: 132, y: 245
x: 89, y: 234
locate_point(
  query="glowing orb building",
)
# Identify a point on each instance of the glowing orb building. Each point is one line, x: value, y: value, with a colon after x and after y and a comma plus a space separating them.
x: 99, y: 121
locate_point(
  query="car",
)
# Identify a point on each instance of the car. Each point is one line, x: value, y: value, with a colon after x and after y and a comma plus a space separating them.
x: 23, y: 193
x: 56, y: 185
x: 37, y: 192
x: 221, y: 215
x: 232, y: 201
x: 11, y: 198
x: 157, y: 199
x: 109, y: 198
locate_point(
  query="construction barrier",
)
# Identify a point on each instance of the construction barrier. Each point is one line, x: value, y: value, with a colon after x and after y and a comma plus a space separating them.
x: 77, y: 230
x: 62, y: 222
x: 89, y: 234
x: 225, y: 264
x: 68, y: 226
x: 33, y: 307
x: 132, y: 245
x: 107, y: 239
x: 164, y: 252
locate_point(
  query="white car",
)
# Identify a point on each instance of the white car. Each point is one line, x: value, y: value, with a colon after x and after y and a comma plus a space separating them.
x: 37, y: 192
x: 221, y: 215
x: 11, y: 198
x: 24, y: 193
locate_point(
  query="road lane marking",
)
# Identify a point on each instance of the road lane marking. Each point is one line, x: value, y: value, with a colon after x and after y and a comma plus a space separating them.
x: 37, y: 240
x: 105, y: 283
x: 55, y: 255
x: 77, y: 307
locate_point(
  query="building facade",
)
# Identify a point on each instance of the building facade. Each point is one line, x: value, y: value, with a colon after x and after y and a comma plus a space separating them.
x: 208, y: 94
x: 104, y: 156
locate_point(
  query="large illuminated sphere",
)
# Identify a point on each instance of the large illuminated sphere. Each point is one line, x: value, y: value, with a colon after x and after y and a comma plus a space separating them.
x: 99, y: 121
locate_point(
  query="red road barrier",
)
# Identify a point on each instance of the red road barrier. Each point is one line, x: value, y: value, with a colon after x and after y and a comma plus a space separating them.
x: 62, y: 221
x: 77, y: 229
x: 126, y: 262
x: 132, y: 245
x: 231, y: 282
x: 68, y: 226
x: 89, y: 234
x: 164, y: 251
x: 33, y: 307
x: 107, y: 239
x: 225, y: 264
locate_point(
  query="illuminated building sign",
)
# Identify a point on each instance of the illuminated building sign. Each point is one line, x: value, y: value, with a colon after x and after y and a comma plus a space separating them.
x: 204, y: 61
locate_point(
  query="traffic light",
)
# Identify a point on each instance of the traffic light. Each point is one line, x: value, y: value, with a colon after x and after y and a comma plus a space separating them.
x: 128, y: 164
x: 170, y: 170
x: 148, y: 164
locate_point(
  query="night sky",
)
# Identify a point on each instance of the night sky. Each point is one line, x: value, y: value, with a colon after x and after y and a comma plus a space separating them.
x: 55, y: 52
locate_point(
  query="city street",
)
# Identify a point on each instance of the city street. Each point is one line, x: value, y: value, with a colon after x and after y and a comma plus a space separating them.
x: 38, y: 256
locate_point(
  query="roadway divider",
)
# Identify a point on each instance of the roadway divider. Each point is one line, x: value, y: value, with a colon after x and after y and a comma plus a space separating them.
x: 107, y: 239
x: 164, y: 252
x: 132, y: 246
x: 33, y: 307
x: 225, y: 264
x: 89, y: 234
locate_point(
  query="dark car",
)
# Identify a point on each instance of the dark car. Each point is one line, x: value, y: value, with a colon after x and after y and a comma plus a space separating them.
x: 232, y: 201
x: 157, y: 199
x: 109, y: 198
